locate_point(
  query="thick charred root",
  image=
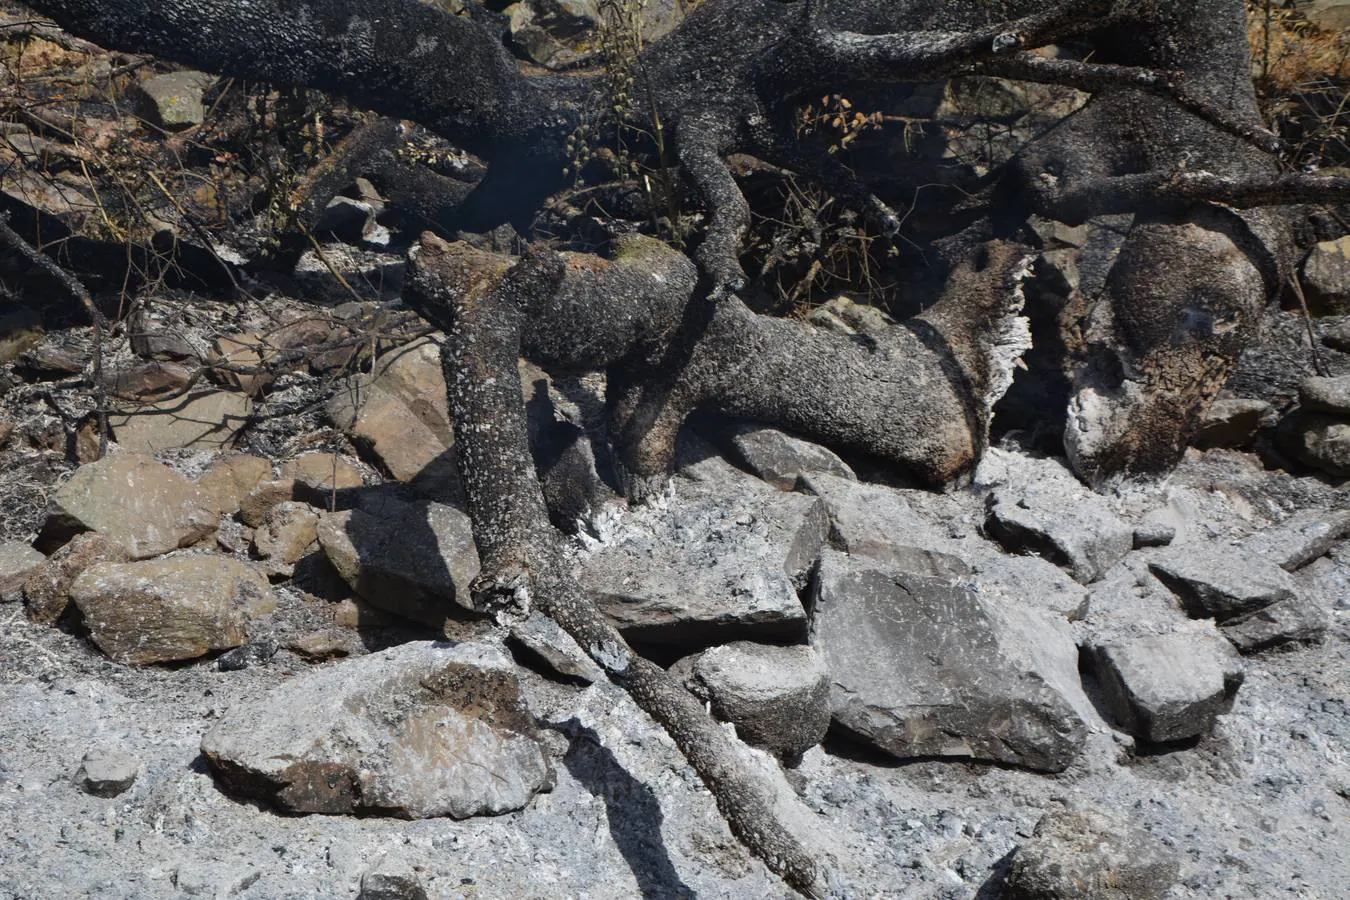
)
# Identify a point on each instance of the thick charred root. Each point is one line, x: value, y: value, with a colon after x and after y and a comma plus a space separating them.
x: 483, y: 305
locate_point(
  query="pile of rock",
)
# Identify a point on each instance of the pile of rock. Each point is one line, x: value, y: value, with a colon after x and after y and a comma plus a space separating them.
x: 1318, y: 432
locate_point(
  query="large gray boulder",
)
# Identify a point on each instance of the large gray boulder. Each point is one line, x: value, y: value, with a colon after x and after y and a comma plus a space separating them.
x: 165, y: 610
x: 724, y: 560
x: 925, y: 666
x: 421, y: 730
x: 141, y: 504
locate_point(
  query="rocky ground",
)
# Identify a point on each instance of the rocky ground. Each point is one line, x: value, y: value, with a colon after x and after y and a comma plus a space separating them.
x: 238, y: 657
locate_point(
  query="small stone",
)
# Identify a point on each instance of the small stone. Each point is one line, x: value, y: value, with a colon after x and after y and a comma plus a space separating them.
x: 317, y: 646
x: 17, y: 561
x: 780, y: 458
x: 244, y: 350
x: 1167, y: 687
x: 254, y: 506
x: 1231, y: 422
x: 1337, y: 337
x: 46, y: 590
x: 1326, y: 277
x: 164, y: 610
x: 1318, y: 440
x: 142, y: 504
x: 1279, y: 623
x: 777, y: 697
x: 147, y: 380
x: 1326, y: 395
x: 545, y: 638
x: 346, y: 219
x: 391, y: 880
x: 318, y: 474
x: 174, y: 101
x: 1154, y: 534
x: 1301, y: 538
x: 353, y: 612
x: 6, y: 429
x: 1219, y: 584
x: 231, y: 478
x: 288, y: 531
x: 1088, y: 855
x: 254, y: 653
x: 106, y: 772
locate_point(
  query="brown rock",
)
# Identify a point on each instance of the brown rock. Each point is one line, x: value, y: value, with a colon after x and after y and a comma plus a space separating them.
x: 1326, y: 277
x: 320, y: 645
x: 164, y: 610
x: 46, y: 590
x: 145, y: 506
x: 399, y: 411
x: 231, y: 478
x: 202, y: 421
x: 246, y: 350
x: 254, y: 505
x: 318, y: 474
x: 288, y: 530
x: 148, y: 380
x: 6, y: 431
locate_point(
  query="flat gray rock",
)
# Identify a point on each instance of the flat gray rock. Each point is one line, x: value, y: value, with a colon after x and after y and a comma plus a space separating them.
x: 724, y: 560
x: 927, y: 667
x: 164, y: 610
x: 1287, y: 621
x: 141, y: 504
x: 1057, y: 517
x: 17, y: 560
x: 1301, y: 538
x: 106, y: 772
x: 777, y: 697
x: 873, y: 520
x: 779, y: 458
x: 1167, y: 687
x: 1219, y: 583
x: 415, y: 560
x: 1087, y: 855
x: 545, y: 638
x: 420, y: 730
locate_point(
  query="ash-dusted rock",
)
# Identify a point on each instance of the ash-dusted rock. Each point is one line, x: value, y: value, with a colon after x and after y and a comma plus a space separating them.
x: 391, y: 879
x: 106, y: 772
x: 780, y: 458
x: 412, y: 559
x: 231, y: 478
x: 872, y: 520
x: 316, y: 475
x: 543, y: 637
x: 173, y: 101
x: 1219, y: 583
x: 1337, y: 337
x: 46, y: 590
x: 425, y: 729
x: 1231, y: 422
x: 1283, y: 622
x: 163, y: 610
x: 1326, y: 395
x: 1056, y: 516
x: 1301, y: 538
x: 1088, y: 855
x: 1169, y: 686
x: 143, y: 505
x: 147, y: 380
x: 1154, y: 534
x: 264, y: 495
x: 203, y: 421
x: 286, y: 534
x: 17, y: 561
x: 254, y: 653
x: 399, y: 410
x: 723, y: 560
x: 927, y: 667
x: 777, y: 697
x: 1318, y: 440
x: 1026, y: 581
x: 1326, y: 277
